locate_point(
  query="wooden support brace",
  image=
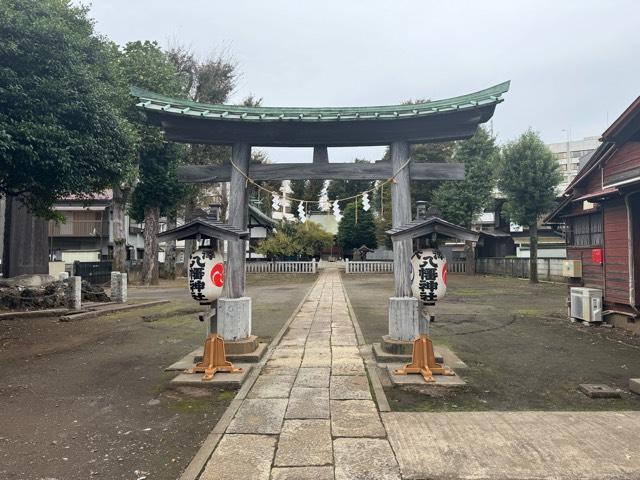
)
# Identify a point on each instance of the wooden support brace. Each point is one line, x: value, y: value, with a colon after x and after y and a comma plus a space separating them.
x: 214, y: 359
x: 424, y: 361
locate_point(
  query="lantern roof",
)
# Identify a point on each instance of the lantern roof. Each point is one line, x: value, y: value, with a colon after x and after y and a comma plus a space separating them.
x: 439, y: 120
x: 433, y: 224
x: 203, y: 227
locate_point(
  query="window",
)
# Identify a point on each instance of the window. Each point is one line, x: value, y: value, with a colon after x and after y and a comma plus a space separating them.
x: 585, y: 230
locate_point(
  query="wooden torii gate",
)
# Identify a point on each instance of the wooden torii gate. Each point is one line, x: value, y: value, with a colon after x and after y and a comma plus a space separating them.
x: 398, y: 126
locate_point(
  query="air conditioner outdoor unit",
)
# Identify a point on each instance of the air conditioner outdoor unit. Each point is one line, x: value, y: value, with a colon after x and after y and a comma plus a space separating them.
x: 586, y: 304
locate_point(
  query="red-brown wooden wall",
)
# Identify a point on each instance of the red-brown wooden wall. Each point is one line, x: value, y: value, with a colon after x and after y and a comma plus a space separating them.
x: 616, y: 252
x: 625, y: 159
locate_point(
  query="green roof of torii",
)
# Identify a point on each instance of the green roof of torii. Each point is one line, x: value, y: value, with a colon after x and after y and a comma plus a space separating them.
x: 155, y: 102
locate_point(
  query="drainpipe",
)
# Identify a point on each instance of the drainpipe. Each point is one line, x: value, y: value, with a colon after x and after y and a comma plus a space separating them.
x: 632, y: 281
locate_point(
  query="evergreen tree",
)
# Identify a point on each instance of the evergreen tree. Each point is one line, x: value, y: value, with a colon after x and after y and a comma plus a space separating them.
x: 528, y: 176
x: 354, y: 234
x: 62, y: 131
x: 460, y: 202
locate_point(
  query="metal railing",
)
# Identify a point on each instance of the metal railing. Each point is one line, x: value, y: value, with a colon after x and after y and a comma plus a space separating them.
x: 282, y: 267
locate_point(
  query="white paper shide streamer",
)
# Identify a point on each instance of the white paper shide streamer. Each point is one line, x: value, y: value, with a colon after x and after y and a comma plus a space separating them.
x: 301, y: 213
x: 365, y: 202
x: 336, y: 211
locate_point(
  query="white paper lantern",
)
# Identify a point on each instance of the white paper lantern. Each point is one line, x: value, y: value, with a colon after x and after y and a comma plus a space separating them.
x: 428, y: 275
x: 206, y: 275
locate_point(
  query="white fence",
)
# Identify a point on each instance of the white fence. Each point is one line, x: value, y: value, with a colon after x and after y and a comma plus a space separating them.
x: 387, y: 267
x: 282, y: 267
x: 368, y: 267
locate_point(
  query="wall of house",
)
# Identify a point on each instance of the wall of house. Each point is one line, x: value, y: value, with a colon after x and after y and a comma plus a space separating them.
x: 616, y: 251
x: 625, y: 162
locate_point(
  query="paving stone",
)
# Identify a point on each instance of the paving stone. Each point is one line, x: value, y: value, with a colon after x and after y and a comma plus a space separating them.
x: 284, y: 362
x: 288, y: 352
x: 364, y: 459
x: 279, y: 370
x: 254, y: 462
x: 316, y: 359
x: 304, y: 443
x: 302, y: 473
x: 272, y: 386
x: 355, y: 418
x: 344, y: 340
x: 259, y: 415
x: 313, y: 377
x: 308, y: 403
x: 345, y: 351
x: 347, y: 366
x: 352, y: 387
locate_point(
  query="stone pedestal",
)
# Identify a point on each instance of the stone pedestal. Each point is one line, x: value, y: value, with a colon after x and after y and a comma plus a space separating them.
x: 234, y: 318
x: 404, y: 325
x: 119, y: 287
x: 76, y: 292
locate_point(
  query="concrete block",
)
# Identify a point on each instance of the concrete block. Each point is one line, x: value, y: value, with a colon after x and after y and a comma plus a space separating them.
x: 596, y: 390
x: 234, y: 318
x: 220, y: 380
x: 634, y: 385
x: 414, y: 379
x: 404, y: 318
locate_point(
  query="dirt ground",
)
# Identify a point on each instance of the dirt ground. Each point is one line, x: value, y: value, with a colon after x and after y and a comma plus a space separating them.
x: 522, y: 352
x: 90, y: 399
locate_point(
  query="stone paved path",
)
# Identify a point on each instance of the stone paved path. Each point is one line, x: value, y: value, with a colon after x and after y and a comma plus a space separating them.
x: 310, y: 414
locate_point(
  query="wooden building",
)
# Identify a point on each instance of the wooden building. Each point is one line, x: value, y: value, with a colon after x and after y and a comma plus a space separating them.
x: 601, y: 214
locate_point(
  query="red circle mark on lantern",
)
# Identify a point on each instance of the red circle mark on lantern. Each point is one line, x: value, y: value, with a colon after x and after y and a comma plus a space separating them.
x: 444, y: 273
x: 217, y: 274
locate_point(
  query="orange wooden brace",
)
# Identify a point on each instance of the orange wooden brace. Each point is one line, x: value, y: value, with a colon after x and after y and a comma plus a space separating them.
x: 214, y: 359
x: 424, y: 362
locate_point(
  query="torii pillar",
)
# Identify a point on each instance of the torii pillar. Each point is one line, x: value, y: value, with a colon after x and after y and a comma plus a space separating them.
x: 404, y: 320
x: 234, y: 309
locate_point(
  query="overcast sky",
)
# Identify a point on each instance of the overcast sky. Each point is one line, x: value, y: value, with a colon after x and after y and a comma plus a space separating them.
x: 573, y: 64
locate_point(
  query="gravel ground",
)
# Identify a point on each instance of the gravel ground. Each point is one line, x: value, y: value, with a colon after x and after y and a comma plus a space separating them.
x: 89, y: 399
x: 522, y: 352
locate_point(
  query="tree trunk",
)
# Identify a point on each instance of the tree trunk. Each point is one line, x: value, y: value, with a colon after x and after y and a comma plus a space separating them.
x: 533, y: 253
x: 119, y: 233
x: 170, y: 250
x: 189, y: 245
x: 150, y: 260
x: 470, y: 258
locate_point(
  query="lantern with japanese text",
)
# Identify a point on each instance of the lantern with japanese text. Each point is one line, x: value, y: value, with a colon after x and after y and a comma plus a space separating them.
x: 428, y: 275
x: 206, y: 276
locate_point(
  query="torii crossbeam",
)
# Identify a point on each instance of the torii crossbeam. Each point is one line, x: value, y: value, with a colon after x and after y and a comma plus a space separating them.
x: 243, y: 127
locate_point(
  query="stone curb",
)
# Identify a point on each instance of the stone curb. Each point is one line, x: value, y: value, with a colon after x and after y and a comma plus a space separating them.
x: 123, y: 308
x: 372, y: 368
